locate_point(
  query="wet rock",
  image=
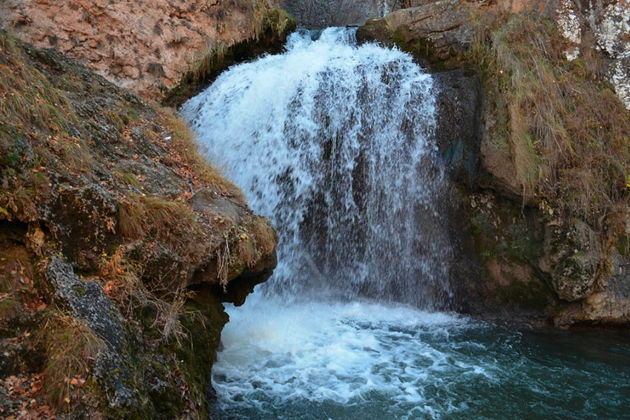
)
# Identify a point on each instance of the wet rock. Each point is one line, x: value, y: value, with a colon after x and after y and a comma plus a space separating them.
x: 320, y: 14
x: 498, y: 244
x: 432, y: 32
x: 458, y: 130
x: 610, y: 305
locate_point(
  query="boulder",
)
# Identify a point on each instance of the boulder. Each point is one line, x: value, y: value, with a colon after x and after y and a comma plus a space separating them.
x: 572, y: 257
x: 87, y: 302
x: 433, y: 31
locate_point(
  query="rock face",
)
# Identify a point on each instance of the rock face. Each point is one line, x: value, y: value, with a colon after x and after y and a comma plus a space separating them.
x: 572, y: 257
x: 436, y: 29
x: 118, y: 243
x: 439, y: 29
x: 609, y: 25
x: 146, y: 47
x: 319, y: 14
x: 88, y: 303
x: 533, y: 242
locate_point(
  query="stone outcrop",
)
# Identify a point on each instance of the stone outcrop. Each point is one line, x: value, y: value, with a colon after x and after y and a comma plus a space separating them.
x: 146, y: 47
x: 118, y: 243
x: 609, y: 24
x: 88, y: 303
x: 319, y: 14
x: 434, y: 30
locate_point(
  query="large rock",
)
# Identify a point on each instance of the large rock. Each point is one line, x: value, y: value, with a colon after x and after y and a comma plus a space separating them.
x: 145, y: 46
x: 609, y: 24
x: 432, y: 31
x: 139, y: 241
x: 319, y: 14
x: 526, y: 245
x: 458, y: 131
x: 87, y: 302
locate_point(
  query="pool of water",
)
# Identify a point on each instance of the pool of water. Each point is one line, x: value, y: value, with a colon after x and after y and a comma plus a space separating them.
x: 363, y: 360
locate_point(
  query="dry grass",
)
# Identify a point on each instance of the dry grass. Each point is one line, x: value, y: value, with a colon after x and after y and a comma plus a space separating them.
x: 124, y: 285
x: 275, y: 22
x: 35, y: 134
x: 559, y: 120
x: 158, y: 217
x: 188, y: 161
x: 34, y: 111
x: 265, y: 236
x: 71, y: 346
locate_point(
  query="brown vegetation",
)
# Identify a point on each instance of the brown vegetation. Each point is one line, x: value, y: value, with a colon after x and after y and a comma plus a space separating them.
x: 558, y: 121
x: 92, y: 176
x: 70, y: 348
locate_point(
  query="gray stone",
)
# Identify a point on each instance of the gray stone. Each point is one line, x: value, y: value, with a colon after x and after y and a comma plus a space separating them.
x: 87, y: 302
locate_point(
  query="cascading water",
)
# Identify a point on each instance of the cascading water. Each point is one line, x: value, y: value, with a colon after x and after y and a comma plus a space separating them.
x: 332, y: 141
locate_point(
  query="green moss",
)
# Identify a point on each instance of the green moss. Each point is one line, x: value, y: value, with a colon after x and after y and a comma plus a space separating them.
x: 8, y: 307
x: 531, y: 296
x: 422, y: 49
x: 203, y: 319
x: 127, y: 178
x: 501, y: 228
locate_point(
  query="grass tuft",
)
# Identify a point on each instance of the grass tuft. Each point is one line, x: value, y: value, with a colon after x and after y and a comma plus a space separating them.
x: 71, y: 346
x: 558, y: 121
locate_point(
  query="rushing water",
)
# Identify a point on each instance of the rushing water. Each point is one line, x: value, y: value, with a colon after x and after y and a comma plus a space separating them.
x: 333, y: 142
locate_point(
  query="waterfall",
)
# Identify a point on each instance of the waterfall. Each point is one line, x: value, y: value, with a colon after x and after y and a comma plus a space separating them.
x: 332, y: 142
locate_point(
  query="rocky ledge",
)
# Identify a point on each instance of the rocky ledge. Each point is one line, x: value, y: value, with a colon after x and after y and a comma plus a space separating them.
x: 118, y: 243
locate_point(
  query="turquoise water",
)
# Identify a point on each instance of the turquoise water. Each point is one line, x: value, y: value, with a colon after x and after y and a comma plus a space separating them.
x: 373, y: 361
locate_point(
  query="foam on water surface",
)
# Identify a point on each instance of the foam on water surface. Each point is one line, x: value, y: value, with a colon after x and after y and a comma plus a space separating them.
x: 365, y: 360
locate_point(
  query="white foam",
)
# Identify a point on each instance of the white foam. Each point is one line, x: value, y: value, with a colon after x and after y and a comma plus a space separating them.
x: 335, y: 352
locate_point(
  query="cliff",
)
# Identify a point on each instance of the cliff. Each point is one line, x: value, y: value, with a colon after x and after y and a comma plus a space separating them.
x: 118, y: 243
x: 146, y: 47
x: 534, y: 131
